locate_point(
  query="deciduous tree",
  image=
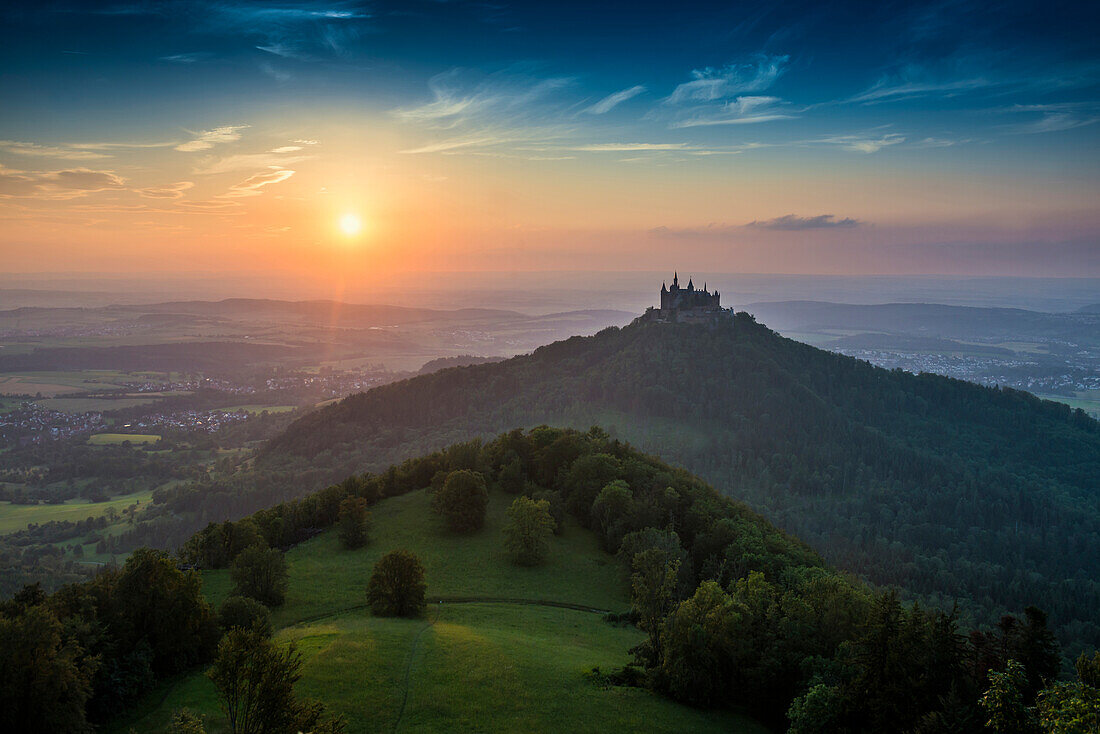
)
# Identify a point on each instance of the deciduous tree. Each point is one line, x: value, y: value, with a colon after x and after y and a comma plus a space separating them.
x: 396, y: 587
x: 462, y: 500
x: 260, y: 573
x: 529, y: 530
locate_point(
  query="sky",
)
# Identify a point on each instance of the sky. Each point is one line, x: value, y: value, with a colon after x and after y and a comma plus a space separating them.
x: 350, y: 140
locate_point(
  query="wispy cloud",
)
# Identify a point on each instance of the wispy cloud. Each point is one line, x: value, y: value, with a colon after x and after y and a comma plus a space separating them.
x: 611, y: 101
x: 895, y: 88
x: 209, y: 138
x: 740, y: 111
x: 188, y: 58
x: 286, y: 149
x: 726, y: 96
x: 251, y: 186
x: 63, y: 184
x: 793, y: 222
x: 475, y: 112
x: 1055, y: 117
x: 170, y: 191
x: 246, y: 161
x: 711, y: 84
x: 861, y: 143
x: 49, y: 151
x: 630, y: 147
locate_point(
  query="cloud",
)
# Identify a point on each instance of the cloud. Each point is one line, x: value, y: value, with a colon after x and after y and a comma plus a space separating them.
x: 724, y: 96
x: 286, y: 149
x: 1054, y: 117
x: 209, y: 138
x: 16, y: 183
x: 475, y: 112
x: 49, y: 151
x: 892, y: 89
x: 247, y: 161
x: 740, y: 111
x: 789, y: 223
x: 611, y: 101
x: 170, y: 191
x: 457, y: 98
x: 711, y: 84
x: 84, y: 179
x: 306, y: 142
x: 627, y: 147
x: 862, y: 143
x: 792, y: 222
x: 189, y: 58
x: 251, y: 186
x: 64, y: 184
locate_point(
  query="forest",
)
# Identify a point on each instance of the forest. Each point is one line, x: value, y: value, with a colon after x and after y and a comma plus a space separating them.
x: 737, y: 613
x: 956, y: 493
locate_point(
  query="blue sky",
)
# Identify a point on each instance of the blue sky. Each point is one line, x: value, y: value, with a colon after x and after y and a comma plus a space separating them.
x: 994, y: 102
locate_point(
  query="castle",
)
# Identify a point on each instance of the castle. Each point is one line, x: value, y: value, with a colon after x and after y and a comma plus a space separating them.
x: 687, y: 304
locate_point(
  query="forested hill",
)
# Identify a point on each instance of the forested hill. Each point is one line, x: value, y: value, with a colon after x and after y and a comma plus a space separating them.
x: 949, y: 489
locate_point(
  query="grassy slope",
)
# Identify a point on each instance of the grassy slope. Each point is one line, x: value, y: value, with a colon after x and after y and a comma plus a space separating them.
x: 484, y: 667
x: 18, y: 517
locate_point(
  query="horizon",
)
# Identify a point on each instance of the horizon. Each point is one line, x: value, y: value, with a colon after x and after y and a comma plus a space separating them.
x: 343, y: 141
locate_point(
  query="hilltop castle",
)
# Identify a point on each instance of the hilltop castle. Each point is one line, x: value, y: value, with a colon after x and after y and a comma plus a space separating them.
x: 687, y: 304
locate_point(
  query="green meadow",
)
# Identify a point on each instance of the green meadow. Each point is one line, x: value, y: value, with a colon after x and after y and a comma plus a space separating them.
x: 465, y: 666
x: 105, y: 439
x: 18, y: 517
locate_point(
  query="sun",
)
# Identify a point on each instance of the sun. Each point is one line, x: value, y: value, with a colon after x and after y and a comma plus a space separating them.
x: 350, y: 224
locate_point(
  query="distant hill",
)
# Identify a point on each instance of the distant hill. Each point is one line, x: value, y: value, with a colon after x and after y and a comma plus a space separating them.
x: 927, y: 319
x: 462, y: 360
x: 951, y: 490
x: 1091, y: 308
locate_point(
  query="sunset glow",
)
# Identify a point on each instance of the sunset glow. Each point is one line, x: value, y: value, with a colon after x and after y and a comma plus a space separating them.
x: 141, y: 137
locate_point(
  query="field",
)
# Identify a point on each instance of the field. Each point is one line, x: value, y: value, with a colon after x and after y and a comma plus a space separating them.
x: 484, y: 666
x: 17, y: 517
x: 261, y: 408
x: 1086, y: 400
x: 105, y: 439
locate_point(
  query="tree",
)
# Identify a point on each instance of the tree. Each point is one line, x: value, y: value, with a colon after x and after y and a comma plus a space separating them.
x: 511, y: 478
x: 557, y: 507
x: 652, y: 594
x: 613, y: 503
x: 260, y: 573
x: 185, y: 722
x: 697, y: 642
x: 155, y: 603
x: 240, y: 611
x: 1004, y: 702
x: 462, y: 500
x: 255, y: 680
x: 529, y: 530
x: 352, y: 522
x: 44, y: 681
x: 396, y: 587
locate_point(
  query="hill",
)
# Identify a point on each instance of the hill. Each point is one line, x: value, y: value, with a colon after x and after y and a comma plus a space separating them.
x: 953, y: 491
x: 735, y: 616
x: 966, y: 323
x: 485, y: 665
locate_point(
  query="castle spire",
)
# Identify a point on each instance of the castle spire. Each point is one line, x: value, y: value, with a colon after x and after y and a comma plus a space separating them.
x: 675, y: 280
